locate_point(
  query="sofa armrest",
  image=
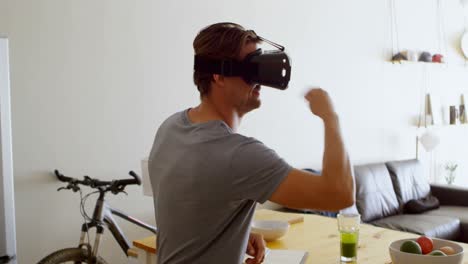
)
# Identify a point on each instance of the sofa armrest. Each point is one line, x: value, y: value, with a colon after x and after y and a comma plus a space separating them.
x: 450, y: 195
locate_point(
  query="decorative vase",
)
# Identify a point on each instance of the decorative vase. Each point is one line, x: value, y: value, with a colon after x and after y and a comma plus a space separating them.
x: 451, y: 169
x: 450, y: 177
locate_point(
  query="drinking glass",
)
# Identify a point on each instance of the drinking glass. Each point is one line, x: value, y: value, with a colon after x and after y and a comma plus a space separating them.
x: 348, y: 225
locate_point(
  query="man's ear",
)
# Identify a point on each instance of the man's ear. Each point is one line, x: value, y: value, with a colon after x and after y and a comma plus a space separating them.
x: 218, y: 79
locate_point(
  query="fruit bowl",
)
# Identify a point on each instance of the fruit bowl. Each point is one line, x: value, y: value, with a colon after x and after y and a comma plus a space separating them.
x: 270, y: 229
x: 399, y: 257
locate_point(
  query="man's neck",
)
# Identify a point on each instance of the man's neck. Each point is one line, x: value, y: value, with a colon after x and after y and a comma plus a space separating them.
x: 209, y: 110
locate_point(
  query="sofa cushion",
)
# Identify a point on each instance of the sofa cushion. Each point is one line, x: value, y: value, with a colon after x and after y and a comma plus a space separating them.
x: 421, y: 205
x: 409, y: 180
x: 375, y: 197
x: 459, y: 212
x: 443, y: 227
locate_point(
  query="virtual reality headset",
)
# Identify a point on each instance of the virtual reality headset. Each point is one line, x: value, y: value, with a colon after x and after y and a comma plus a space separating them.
x: 269, y: 68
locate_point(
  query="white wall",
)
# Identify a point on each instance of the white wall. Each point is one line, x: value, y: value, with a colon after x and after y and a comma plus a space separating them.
x: 7, y: 210
x: 92, y: 81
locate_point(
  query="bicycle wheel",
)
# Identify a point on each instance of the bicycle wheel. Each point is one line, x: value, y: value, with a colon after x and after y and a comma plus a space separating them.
x: 70, y: 255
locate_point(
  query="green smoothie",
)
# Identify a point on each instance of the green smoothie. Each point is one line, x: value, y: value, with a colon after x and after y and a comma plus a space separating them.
x: 349, y: 242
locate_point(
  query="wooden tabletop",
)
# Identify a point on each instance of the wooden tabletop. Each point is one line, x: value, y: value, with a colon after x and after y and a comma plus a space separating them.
x: 319, y: 236
x: 147, y: 244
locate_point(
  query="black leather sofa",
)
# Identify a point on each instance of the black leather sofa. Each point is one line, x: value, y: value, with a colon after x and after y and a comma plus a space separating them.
x: 383, y: 189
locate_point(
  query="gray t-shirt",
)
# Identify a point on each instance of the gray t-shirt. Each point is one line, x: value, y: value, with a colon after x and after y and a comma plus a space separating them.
x: 206, y: 181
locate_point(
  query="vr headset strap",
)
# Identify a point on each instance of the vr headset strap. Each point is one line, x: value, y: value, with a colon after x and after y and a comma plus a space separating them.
x: 222, y: 67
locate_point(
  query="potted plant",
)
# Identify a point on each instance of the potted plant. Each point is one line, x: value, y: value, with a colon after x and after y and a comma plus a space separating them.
x: 450, y: 176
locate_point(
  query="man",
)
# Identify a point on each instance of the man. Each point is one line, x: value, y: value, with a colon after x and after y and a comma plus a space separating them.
x: 207, y: 178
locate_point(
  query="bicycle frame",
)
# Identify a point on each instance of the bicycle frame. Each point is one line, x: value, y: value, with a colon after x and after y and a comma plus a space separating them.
x: 103, y: 217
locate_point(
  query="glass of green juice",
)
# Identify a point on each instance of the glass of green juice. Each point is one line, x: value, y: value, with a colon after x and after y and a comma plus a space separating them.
x: 348, y: 225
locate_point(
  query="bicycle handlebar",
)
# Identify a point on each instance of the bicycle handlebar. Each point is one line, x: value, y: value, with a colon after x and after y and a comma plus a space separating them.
x: 135, y: 176
x: 114, y: 186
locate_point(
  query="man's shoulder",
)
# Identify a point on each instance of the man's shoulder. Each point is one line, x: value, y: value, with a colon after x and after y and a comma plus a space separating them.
x: 245, y: 143
x: 176, y: 117
x: 245, y: 139
x: 173, y: 119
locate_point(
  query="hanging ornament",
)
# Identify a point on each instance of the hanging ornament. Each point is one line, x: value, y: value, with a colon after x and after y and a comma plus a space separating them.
x: 429, y: 140
x: 441, y: 34
x: 399, y: 57
x: 425, y: 57
x: 438, y: 58
x: 396, y: 54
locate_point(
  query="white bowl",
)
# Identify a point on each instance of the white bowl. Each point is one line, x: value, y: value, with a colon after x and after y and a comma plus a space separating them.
x: 399, y: 257
x: 270, y: 229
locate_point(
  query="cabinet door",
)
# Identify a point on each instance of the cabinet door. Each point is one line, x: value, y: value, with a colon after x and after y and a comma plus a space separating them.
x: 7, y: 211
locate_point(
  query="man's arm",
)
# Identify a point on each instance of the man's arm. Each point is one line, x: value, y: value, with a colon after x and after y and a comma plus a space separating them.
x: 334, y: 189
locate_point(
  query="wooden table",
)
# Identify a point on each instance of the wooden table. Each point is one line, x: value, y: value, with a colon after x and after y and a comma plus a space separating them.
x: 146, y: 250
x: 319, y: 236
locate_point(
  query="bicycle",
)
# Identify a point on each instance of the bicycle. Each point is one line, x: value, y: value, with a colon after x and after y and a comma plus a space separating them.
x: 102, y: 217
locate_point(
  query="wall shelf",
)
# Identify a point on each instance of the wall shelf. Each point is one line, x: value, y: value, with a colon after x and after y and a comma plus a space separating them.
x: 405, y: 62
x: 443, y: 126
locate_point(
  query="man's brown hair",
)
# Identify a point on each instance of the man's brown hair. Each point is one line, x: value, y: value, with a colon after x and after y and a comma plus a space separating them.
x: 219, y: 41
